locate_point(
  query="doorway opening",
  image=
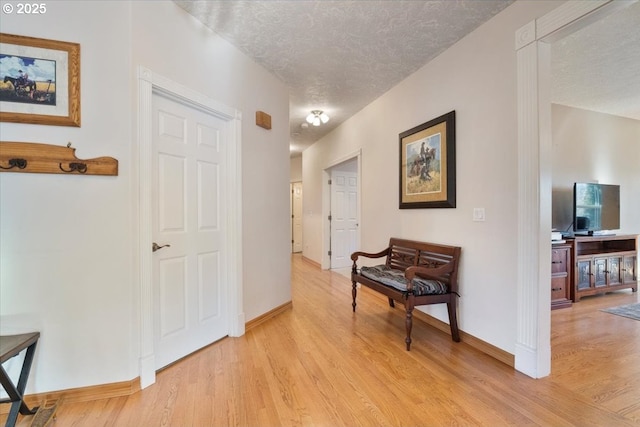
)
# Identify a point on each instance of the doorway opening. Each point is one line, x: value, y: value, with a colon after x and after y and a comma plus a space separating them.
x: 296, y: 217
x: 532, y: 349
x: 150, y: 83
x: 341, y: 212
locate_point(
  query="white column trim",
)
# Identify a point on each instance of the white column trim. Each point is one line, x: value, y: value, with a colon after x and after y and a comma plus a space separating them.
x: 533, y: 340
x: 565, y: 15
x: 526, y: 35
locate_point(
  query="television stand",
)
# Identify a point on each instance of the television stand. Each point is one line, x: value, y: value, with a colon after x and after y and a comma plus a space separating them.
x: 603, y: 264
x: 594, y: 233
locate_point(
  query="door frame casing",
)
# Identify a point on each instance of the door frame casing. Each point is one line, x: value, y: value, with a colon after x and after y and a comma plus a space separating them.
x: 292, y: 187
x: 334, y: 225
x: 148, y: 84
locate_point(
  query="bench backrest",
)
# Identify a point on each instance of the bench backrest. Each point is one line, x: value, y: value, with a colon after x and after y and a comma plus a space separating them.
x: 405, y: 253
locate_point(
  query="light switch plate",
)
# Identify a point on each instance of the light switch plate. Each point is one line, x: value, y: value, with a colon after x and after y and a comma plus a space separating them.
x: 478, y: 214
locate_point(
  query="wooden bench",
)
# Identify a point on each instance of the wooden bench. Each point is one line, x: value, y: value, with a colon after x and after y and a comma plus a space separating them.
x: 415, y: 273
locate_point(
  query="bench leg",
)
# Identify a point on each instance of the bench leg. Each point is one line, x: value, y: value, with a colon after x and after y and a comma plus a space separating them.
x: 391, y: 303
x: 354, y: 293
x: 453, y: 320
x: 409, y: 324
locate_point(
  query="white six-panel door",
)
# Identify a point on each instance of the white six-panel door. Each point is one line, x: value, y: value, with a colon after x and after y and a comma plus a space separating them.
x: 344, y: 217
x: 188, y: 202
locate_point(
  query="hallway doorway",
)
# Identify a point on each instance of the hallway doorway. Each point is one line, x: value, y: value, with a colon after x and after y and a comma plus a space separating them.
x: 296, y: 217
x: 341, y: 210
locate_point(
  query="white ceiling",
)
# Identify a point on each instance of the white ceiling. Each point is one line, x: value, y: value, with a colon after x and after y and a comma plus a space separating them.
x: 598, y: 67
x: 339, y: 56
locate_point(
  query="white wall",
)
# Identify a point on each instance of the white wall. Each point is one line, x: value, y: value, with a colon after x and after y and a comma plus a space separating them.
x: 66, y: 240
x: 296, y: 169
x: 172, y: 43
x: 594, y: 147
x: 477, y: 79
x: 67, y: 243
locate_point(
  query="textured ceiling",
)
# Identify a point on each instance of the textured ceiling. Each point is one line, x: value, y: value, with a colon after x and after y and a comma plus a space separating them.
x: 598, y: 67
x: 338, y: 56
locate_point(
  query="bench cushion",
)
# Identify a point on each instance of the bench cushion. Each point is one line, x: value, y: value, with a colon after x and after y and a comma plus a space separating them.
x: 395, y: 278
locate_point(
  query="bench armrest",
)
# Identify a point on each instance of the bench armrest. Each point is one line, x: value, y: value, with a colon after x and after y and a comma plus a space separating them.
x: 355, y: 255
x: 433, y: 273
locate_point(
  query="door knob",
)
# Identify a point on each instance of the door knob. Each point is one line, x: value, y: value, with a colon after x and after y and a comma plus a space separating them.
x: 156, y: 247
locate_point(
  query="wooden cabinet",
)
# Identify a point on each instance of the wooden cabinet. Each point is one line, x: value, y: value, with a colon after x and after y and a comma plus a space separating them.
x: 561, y: 283
x: 629, y: 269
x: 604, y: 264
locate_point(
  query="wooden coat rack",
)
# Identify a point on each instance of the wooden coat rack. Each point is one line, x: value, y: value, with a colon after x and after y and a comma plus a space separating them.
x: 29, y: 157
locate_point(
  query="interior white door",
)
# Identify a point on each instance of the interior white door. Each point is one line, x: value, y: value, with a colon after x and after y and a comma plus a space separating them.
x: 296, y: 216
x: 344, y: 217
x: 188, y: 199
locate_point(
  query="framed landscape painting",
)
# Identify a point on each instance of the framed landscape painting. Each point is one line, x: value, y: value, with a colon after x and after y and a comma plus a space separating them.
x: 40, y: 81
x: 428, y: 164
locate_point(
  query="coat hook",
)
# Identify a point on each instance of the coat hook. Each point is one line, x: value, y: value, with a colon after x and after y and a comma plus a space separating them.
x: 74, y: 167
x: 16, y: 163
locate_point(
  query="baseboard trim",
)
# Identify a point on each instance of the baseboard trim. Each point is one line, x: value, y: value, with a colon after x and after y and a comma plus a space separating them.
x: 310, y: 261
x: 478, y: 344
x: 268, y: 315
x: 120, y: 389
x: 81, y: 394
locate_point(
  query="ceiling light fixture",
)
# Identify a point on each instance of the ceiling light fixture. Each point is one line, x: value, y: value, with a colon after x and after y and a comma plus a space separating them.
x: 316, y: 117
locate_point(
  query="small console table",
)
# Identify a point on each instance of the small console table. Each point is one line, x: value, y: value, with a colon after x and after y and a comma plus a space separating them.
x: 603, y: 264
x: 10, y: 346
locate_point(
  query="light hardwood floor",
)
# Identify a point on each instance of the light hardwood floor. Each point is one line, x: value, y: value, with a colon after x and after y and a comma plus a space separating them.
x: 319, y: 364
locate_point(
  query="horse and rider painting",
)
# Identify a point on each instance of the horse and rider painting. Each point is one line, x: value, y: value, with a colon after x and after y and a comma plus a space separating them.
x: 27, y: 80
x: 423, y: 160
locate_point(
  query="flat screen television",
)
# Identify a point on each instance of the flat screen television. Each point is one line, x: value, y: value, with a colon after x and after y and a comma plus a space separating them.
x: 596, y: 208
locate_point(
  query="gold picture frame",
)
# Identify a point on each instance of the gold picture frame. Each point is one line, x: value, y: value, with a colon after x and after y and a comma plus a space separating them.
x: 428, y: 164
x: 47, y: 91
